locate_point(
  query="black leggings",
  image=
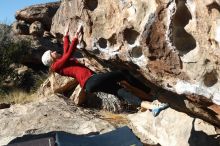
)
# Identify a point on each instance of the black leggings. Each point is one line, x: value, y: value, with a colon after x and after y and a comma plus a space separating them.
x: 108, y: 83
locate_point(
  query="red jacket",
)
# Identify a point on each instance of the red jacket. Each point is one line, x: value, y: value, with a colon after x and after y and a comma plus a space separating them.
x: 69, y: 66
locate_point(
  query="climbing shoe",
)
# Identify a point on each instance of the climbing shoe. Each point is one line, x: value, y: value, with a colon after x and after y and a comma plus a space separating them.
x: 155, y: 111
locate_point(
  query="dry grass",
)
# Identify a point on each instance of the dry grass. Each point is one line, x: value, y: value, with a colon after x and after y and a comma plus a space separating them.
x: 117, y: 119
x: 17, y: 97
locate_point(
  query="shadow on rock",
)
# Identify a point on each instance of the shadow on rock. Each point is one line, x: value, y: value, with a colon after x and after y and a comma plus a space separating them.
x: 200, y: 138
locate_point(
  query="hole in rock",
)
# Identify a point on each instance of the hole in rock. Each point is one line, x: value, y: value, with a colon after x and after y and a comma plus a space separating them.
x: 183, y: 41
x: 210, y: 78
x: 102, y: 43
x: 136, y: 52
x: 113, y: 40
x: 213, y: 5
x: 130, y: 35
x: 91, y: 4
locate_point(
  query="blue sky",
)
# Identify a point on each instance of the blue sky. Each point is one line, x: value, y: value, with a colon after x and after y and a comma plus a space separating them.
x: 8, y: 8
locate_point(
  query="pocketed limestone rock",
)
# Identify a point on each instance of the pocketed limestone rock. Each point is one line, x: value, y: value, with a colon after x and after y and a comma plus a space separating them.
x: 171, y: 44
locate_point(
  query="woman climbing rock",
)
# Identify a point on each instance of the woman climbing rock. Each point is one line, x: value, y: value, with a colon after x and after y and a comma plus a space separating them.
x: 90, y: 82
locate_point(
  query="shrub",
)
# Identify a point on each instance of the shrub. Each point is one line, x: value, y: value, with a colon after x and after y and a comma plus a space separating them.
x: 13, y: 53
x: 23, y: 85
x: 4, y: 35
x: 17, y: 96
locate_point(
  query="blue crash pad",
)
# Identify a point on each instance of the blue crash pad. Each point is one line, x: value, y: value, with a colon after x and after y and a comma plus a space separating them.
x: 119, y: 137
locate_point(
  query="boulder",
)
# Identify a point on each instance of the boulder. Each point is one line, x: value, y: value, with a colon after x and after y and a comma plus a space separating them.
x: 56, y: 83
x: 173, y: 128
x: 47, y: 34
x: 46, y: 115
x: 36, y: 29
x: 55, y: 113
x: 164, y: 43
x: 20, y: 28
x: 42, y: 13
x: 21, y: 77
x: 79, y: 96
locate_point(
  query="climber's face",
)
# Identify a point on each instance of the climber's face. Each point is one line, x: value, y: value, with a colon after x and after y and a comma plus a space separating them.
x: 55, y: 55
